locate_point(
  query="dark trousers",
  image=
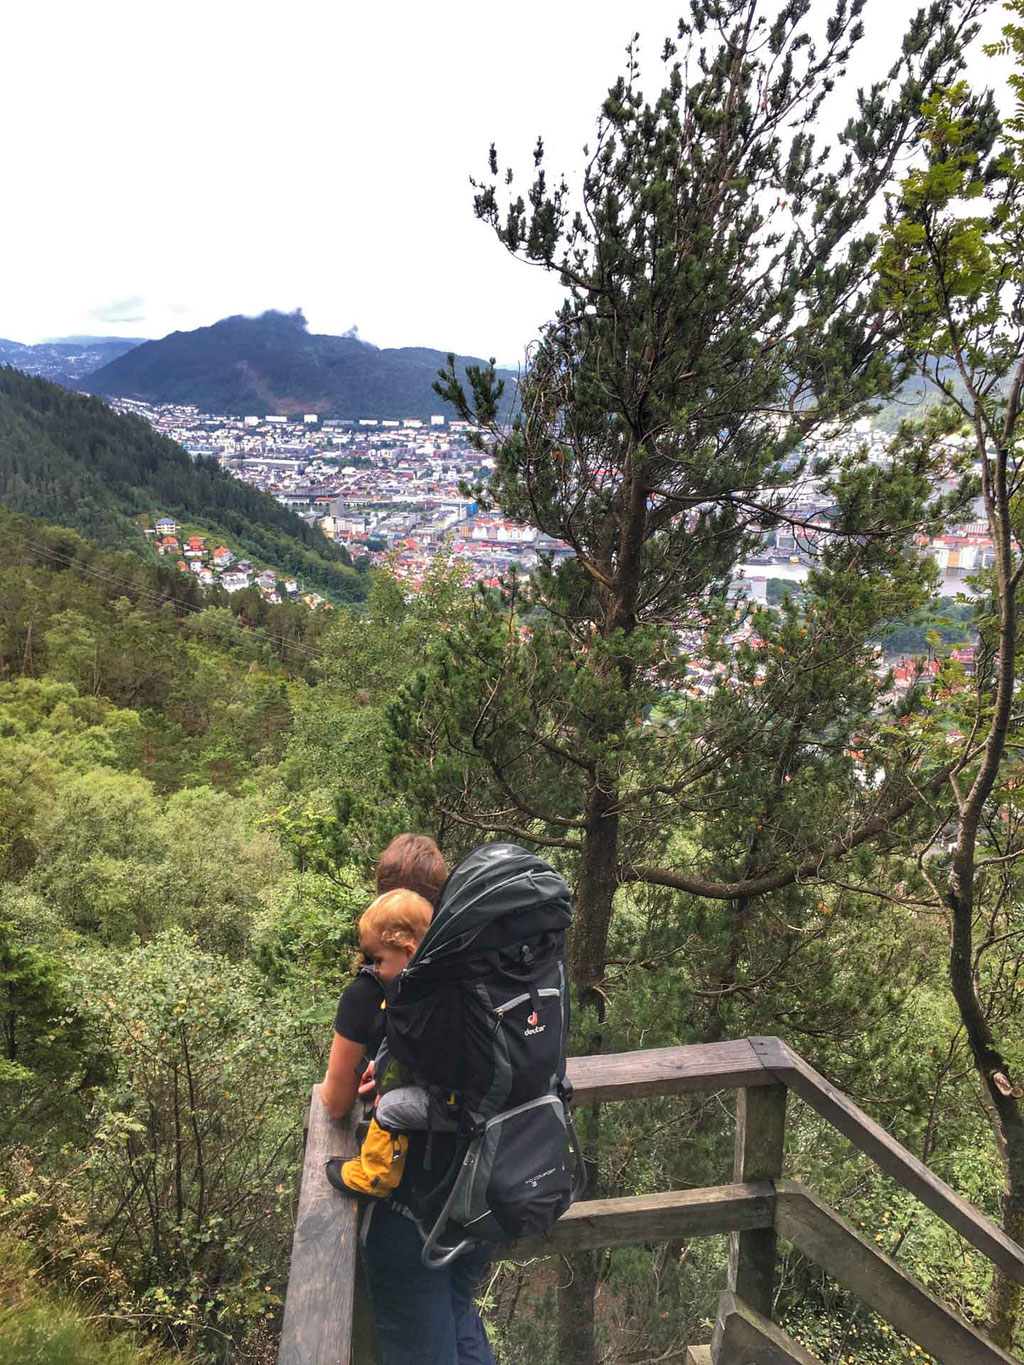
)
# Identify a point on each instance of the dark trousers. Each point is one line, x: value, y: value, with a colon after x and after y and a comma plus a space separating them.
x: 424, y: 1317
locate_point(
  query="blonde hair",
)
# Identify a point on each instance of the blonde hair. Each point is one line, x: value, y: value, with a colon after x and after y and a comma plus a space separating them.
x: 398, y: 919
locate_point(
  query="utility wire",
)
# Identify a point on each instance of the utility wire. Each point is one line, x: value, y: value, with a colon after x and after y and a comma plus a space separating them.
x: 158, y: 599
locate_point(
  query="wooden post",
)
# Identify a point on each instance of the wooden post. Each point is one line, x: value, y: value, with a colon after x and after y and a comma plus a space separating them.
x: 757, y: 1155
x: 743, y: 1334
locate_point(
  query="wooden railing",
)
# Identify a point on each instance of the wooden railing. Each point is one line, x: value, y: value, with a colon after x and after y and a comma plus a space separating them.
x: 326, y: 1322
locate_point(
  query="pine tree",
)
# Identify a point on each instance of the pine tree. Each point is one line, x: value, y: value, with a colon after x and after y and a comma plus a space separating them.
x: 721, y: 312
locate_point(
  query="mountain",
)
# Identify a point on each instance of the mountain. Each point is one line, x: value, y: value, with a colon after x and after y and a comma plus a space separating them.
x: 274, y: 364
x: 65, y: 360
x: 71, y: 459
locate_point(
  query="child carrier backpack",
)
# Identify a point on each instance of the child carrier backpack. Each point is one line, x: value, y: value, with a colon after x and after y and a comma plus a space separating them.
x: 480, y: 1017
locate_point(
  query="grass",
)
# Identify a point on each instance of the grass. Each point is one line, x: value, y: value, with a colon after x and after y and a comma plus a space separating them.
x: 37, y: 1327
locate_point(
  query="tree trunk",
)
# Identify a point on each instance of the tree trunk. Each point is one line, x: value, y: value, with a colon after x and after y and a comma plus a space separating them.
x: 577, y: 1343
x: 1006, y: 1296
x: 1001, y: 1095
x: 598, y: 881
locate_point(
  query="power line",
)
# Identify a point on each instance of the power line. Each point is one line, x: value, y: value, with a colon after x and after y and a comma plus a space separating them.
x: 157, y: 599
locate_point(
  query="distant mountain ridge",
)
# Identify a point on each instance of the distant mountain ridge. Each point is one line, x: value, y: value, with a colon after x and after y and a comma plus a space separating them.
x: 250, y: 366
x: 65, y: 360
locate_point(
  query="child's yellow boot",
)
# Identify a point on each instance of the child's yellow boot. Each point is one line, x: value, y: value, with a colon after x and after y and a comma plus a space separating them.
x: 378, y: 1167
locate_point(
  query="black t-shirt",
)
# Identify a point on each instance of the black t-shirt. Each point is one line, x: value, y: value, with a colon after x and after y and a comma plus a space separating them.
x: 360, y: 1019
x: 360, y: 1013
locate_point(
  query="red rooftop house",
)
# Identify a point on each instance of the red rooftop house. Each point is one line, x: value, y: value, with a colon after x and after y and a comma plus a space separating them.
x: 223, y: 557
x: 195, y: 547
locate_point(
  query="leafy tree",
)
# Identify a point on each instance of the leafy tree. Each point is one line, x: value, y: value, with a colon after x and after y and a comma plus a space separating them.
x: 953, y: 264
x: 216, y: 867
x: 179, y: 1196
x: 45, y: 1043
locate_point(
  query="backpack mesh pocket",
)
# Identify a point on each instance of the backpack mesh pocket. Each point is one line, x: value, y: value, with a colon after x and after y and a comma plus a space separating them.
x: 516, y: 1178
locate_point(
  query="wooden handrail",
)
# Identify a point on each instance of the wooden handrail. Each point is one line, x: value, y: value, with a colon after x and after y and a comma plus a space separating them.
x: 317, y: 1328
x: 666, y: 1071
x: 317, y: 1325
x: 765, y: 1061
x: 670, y: 1217
x: 876, y: 1279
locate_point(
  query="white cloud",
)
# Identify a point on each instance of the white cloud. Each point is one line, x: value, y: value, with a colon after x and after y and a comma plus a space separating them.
x: 214, y: 157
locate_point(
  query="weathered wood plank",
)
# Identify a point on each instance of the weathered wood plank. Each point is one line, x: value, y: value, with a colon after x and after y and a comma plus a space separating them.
x: 666, y: 1071
x: 891, y: 1156
x: 743, y: 1336
x: 757, y: 1155
x: 651, y: 1218
x: 879, y: 1281
x: 317, y: 1326
x: 698, y: 1355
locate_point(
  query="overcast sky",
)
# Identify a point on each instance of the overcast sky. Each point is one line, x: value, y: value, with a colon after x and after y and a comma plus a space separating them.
x: 169, y: 163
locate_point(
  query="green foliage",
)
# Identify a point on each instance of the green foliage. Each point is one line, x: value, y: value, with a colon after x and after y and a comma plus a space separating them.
x: 49, y: 1056
x: 39, y: 1328
x: 181, y: 1190
x: 73, y: 460
x: 943, y: 622
x: 306, y: 939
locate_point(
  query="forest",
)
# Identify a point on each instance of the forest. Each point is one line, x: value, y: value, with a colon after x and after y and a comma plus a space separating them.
x: 76, y: 461
x: 193, y: 792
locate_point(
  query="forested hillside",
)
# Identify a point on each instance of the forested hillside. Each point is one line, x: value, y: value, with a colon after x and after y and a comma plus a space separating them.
x: 765, y: 830
x: 191, y: 800
x: 73, y: 460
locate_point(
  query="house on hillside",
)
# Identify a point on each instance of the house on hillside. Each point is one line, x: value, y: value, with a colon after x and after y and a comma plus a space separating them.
x: 195, y: 547
x: 167, y: 526
x: 222, y: 557
x: 168, y: 546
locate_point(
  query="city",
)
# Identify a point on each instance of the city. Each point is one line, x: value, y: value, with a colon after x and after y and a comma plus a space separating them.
x: 393, y: 490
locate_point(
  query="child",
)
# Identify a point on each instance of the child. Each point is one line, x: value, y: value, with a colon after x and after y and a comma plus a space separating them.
x: 390, y: 931
x: 411, y: 862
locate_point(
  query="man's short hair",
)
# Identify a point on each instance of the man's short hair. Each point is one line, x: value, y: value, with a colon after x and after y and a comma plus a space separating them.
x: 412, y: 862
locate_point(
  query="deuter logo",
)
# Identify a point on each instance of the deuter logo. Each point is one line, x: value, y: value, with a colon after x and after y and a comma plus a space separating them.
x: 538, y: 1028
